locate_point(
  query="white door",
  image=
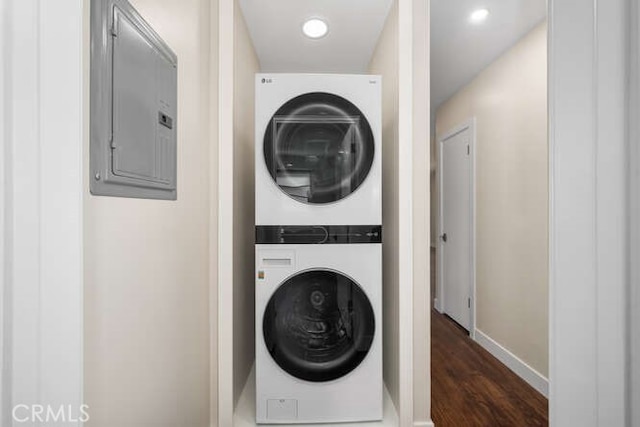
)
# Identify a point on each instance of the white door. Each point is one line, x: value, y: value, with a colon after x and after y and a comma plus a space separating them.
x: 456, y: 225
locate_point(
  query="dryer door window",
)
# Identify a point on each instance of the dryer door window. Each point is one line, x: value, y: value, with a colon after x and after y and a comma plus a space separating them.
x: 318, y: 148
x: 319, y: 325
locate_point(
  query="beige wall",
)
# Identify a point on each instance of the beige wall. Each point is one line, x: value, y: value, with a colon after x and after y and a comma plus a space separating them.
x: 509, y: 102
x: 147, y: 263
x: 420, y: 209
x: 385, y: 62
x: 213, y: 213
x: 245, y: 66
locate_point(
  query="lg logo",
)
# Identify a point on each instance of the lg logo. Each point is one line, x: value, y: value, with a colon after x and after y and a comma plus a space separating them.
x: 266, y: 80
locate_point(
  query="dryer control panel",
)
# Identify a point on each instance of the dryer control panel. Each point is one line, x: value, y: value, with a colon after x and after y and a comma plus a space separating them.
x: 318, y: 234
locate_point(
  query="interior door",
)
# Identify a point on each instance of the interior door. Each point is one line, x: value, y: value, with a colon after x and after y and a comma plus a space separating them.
x: 456, y: 226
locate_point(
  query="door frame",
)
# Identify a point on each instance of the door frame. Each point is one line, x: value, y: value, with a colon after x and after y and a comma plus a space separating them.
x: 440, y: 299
x: 588, y: 211
x: 5, y: 317
x: 42, y: 193
x: 633, y: 317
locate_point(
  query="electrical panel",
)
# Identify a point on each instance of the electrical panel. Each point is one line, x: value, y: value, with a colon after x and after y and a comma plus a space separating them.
x: 133, y: 106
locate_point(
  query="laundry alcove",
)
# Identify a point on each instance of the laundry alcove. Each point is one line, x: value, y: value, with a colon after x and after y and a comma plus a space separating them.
x: 405, y: 324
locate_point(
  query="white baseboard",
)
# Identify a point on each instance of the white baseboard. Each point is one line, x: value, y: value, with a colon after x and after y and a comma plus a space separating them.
x: 423, y: 424
x: 524, y: 371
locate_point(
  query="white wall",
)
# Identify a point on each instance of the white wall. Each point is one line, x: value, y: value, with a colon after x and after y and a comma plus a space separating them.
x: 509, y: 102
x: 401, y: 57
x: 213, y: 214
x: 147, y: 263
x: 421, y: 208
x: 41, y: 193
x: 245, y: 67
x: 633, y: 317
x: 5, y: 317
x: 237, y: 65
x: 385, y: 62
x: 588, y: 227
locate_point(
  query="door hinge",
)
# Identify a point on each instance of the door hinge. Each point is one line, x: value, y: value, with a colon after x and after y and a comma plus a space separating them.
x: 114, y: 26
x: 468, y: 150
x: 469, y: 302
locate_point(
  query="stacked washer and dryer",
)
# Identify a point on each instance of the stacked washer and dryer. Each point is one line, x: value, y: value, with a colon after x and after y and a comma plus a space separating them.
x: 318, y: 248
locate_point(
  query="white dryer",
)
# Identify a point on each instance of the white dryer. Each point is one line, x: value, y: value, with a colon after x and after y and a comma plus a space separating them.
x: 318, y: 149
x: 318, y: 324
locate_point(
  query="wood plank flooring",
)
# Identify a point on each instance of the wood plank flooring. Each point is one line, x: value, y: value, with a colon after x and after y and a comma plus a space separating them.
x: 471, y: 388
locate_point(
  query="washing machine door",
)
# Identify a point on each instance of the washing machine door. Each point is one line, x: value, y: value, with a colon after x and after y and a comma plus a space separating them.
x: 318, y: 148
x: 319, y: 325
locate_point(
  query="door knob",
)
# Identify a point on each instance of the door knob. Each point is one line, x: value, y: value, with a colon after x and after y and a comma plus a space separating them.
x: 444, y: 237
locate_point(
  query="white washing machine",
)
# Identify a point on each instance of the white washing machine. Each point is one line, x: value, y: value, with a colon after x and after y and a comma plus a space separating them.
x: 318, y: 324
x: 318, y: 149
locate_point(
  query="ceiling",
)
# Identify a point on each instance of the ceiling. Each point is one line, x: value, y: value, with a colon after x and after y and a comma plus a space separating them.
x: 275, y: 27
x: 460, y: 50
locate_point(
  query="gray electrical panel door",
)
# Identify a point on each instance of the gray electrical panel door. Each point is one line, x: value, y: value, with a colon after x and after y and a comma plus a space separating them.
x: 133, y: 101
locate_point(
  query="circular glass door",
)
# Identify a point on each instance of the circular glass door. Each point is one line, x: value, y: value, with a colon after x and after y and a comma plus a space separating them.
x: 318, y: 148
x: 319, y: 325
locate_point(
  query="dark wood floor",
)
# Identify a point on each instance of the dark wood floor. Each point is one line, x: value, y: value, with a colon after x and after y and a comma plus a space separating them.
x: 472, y: 388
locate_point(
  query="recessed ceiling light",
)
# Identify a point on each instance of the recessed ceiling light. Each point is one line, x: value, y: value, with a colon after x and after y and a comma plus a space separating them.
x: 478, y: 16
x: 315, y: 28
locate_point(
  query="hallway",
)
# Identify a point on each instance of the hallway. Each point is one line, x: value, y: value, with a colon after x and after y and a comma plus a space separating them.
x: 472, y: 388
